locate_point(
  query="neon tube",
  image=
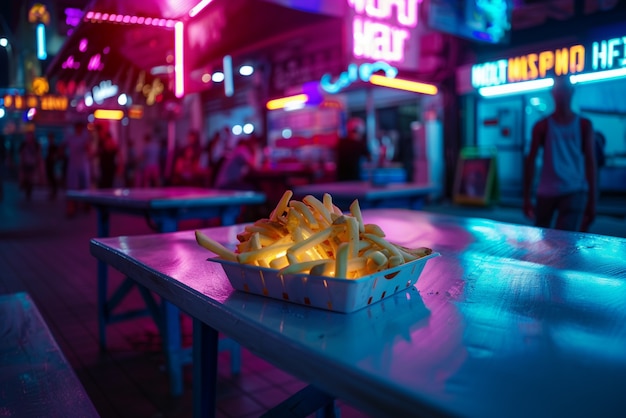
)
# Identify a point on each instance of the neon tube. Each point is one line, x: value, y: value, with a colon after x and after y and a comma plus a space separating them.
x: 108, y: 114
x: 523, y: 87
x: 599, y: 76
x: 400, y: 84
x: 289, y: 101
x: 199, y: 7
x: 179, y: 67
x: 42, y: 52
x: 229, y: 88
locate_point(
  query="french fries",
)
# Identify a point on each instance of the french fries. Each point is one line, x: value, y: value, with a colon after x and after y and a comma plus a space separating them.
x: 315, y: 237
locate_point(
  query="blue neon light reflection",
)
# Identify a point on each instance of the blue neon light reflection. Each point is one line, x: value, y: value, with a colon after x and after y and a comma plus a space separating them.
x: 514, y: 88
x: 42, y: 52
x: 598, y: 76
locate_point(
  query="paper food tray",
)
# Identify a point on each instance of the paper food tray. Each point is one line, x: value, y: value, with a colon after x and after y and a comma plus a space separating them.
x: 340, y: 295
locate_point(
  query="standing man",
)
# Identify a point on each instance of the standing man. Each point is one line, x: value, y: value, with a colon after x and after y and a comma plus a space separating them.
x: 567, y: 182
x: 351, y: 150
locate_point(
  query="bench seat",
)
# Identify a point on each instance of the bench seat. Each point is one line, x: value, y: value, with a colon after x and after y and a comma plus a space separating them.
x: 36, y: 379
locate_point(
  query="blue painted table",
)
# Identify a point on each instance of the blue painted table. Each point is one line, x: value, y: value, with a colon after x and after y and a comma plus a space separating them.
x: 163, y: 208
x: 510, y: 321
x: 392, y: 195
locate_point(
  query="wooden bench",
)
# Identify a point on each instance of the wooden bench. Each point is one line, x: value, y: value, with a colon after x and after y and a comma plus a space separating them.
x: 36, y: 379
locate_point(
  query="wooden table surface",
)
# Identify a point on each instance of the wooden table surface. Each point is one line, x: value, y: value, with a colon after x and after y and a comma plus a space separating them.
x: 510, y: 320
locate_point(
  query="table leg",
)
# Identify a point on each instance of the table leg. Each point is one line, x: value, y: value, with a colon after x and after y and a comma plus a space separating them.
x: 205, y: 343
x: 103, y: 273
x: 102, y: 303
x: 172, y: 346
x: 230, y: 214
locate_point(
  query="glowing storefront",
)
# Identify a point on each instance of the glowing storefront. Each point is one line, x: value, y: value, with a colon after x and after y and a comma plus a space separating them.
x: 509, y: 94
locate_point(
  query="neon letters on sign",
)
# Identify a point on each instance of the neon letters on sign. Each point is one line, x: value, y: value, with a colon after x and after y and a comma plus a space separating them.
x: 529, y: 67
x: 103, y: 91
x: 609, y: 54
x: 602, y: 60
x: 378, y: 32
x: 354, y: 73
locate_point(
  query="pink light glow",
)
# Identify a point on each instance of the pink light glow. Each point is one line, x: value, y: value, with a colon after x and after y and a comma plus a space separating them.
x: 129, y: 19
x: 95, y: 63
x: 199, y: 7
x: 82, y: 46
x: 378, y: 41
x: 179, y: 43
x: 406, y: 10
x: 69, y: 63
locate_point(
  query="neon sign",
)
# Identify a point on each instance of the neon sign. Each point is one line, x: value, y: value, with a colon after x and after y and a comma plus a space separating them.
x: 104, y: 90
x: 606, y: 60
x: 354, y: 73
x: 606, y: 54
x: 95, y: 63
x: 42, y: 52
x: 46, y: 102
x: 376, y: 34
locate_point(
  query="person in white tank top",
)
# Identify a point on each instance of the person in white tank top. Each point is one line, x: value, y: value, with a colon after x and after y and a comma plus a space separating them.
x: 567, y: 182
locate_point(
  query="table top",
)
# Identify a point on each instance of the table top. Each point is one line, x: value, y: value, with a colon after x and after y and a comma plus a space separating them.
x: 510, y: 320
x: 364, y: 190
x: 165, y: 197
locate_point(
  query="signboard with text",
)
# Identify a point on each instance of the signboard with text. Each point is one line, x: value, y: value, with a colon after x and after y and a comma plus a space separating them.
x: 383, y: 30
x: 595, y: 57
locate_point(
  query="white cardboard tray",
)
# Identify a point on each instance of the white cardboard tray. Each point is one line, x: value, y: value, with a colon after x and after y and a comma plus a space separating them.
x: 340, y: 295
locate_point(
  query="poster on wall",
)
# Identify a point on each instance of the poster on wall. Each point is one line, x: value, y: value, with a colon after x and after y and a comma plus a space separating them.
x: 476, y: 177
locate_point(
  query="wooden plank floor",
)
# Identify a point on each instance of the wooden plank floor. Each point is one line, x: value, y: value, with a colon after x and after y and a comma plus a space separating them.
x: 47, y: 255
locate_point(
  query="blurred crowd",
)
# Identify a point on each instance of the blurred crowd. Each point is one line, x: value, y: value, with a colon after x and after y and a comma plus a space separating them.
x: 90, y: 156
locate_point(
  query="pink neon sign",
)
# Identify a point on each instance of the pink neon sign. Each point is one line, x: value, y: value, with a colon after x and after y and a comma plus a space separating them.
x: 379, y: 33
x: 128, y: 19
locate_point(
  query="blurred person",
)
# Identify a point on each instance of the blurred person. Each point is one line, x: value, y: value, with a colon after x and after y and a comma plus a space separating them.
x: 130, y: 164
x: 30, y: 163
x: 567, y: 182
x: 107, y: 157
x: 351, y: 150
x: 234, y: 171
x: 186, y: 168
x: 78, y: 145
x: 599, y: 142
x: 52, y: 162
x: 150, y: 169
x: 163, y: 160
